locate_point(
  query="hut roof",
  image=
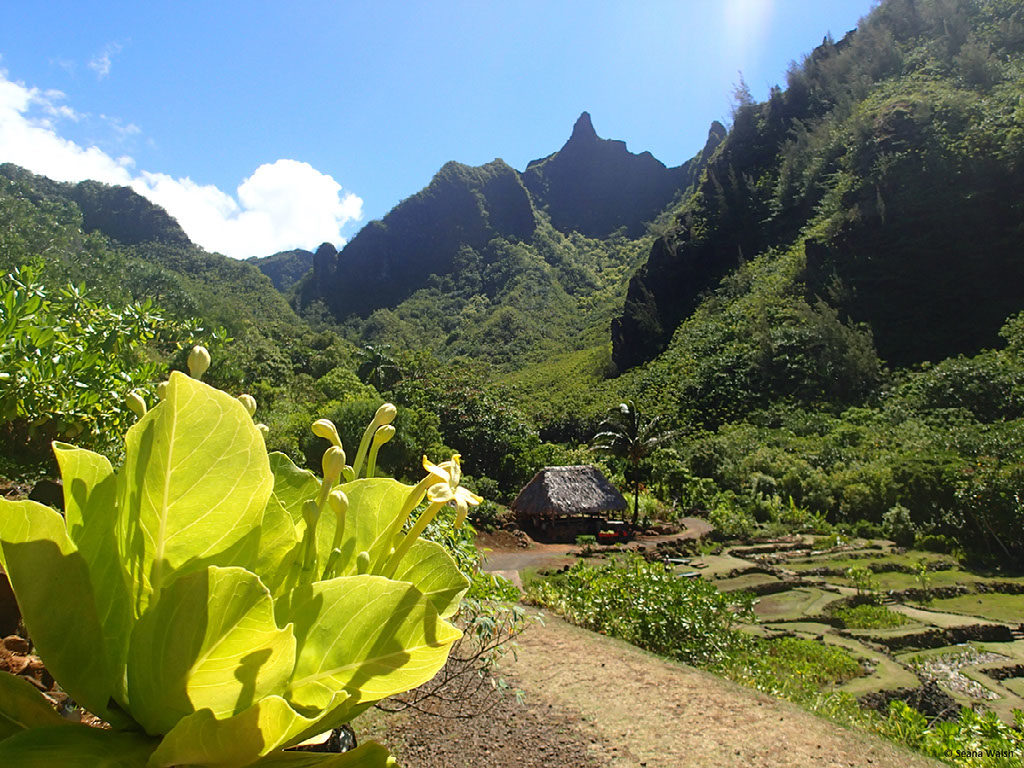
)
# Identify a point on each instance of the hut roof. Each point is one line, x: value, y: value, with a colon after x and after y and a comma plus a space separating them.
x: 556, y: 491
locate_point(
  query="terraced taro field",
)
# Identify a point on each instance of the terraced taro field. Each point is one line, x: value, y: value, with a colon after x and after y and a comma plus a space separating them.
x: 924, y: 629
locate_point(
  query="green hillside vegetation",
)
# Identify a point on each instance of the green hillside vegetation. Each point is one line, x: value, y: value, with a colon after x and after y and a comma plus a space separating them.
x: 511, y: 303
x: 285, y: 268
x: 509, y: 268
x: 893, y: 153
x: 103, y: 291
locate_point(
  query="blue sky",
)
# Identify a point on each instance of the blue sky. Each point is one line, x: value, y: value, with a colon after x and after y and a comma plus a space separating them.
x: 270, y: 125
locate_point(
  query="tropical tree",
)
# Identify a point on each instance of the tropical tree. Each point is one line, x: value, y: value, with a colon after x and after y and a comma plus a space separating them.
x: 377, y: 367
x: 627, y: 435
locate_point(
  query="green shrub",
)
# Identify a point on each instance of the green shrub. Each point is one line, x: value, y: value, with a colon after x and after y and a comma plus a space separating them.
x: 867, y: 616
x: 649, y: 606
x: 730, y: 520
x: 68, y: 364
x: 790, y: 668
x: 936, y: 542
x: 974, y: 740
x: 898, y: 525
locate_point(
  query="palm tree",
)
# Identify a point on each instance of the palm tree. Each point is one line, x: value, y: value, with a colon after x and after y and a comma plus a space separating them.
x: 627, y: 435
x: 377, y: 367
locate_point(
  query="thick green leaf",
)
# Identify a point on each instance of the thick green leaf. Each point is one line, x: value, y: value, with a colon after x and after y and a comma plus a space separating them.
x: 75, y: 746
x: 279, y: 545
x: 22, y: 706
x: 434, y: 573
x: 211, y: 642
x: 292, y: 486
x: 52, y: 585
x: 233, y: 741
x: 334, y: 717
x: 368, y: 755
x: 366, y: 635
x: 372, y: 520
x: 90, y: 511
x: 193, y: 488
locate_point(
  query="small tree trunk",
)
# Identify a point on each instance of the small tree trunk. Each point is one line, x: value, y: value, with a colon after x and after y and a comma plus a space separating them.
x: 636, y: 502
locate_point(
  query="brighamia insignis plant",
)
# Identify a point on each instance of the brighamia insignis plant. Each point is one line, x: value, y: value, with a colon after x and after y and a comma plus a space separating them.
x: 216, y: 604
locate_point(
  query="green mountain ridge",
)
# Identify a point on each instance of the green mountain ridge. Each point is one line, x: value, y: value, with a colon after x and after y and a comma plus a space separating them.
x: 388, y: 259
x: 895, y: 154
x: 500, y: 266
x: 284, y: 268
x: 596, y: 186
x: 117, y: 212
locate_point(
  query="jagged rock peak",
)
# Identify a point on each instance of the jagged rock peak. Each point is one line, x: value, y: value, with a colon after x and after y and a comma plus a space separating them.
x: 325, y: 263
x: 326, y: 250
x: 716, y: 132
x: 583, y: 130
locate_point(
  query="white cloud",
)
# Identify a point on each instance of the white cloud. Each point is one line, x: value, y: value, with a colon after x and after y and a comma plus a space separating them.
x: 101, y: 62
x: 282, y: 205
x: 28, y: 137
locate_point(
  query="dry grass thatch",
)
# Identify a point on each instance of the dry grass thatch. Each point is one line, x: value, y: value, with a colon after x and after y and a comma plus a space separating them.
x: 560, y: 491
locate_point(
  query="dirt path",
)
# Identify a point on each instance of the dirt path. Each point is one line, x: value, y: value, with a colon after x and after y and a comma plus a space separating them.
x: 665, y: 715
x: 594, y: 702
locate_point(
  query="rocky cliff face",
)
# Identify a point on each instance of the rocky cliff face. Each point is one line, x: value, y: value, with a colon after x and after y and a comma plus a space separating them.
x: 593, y: 186
x: 391, y: 258
x: 596, y: 186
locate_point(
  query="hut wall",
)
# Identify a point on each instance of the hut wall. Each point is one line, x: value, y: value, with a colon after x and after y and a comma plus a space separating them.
x: 564, y: 530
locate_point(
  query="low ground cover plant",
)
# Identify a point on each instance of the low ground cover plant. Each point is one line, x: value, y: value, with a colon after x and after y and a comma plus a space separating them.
x: 645, y: 604
x: 790, y: 668
x: 867, y: 616
x: 216, y: 604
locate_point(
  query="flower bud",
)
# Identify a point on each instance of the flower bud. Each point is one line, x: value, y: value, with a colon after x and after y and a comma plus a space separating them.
x: 161, y: 390
x: 385, y: 414
x: 325, y: 428
x: 363, y: 562
x: 338, y: 502
x: 264, y: 429
x: 333, y: 463
x: 198, y: 361
x: 136, y: 404
x: 384, y: 434
x: 249, y: 402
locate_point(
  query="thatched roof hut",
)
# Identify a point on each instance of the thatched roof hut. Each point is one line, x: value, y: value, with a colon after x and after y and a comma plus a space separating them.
x: 564, y: 502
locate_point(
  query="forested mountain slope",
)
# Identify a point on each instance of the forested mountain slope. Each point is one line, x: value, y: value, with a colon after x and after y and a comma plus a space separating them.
x: 896, y: 156
x: 284, y: 268
x: 132, y: 257
x: 505, y: 267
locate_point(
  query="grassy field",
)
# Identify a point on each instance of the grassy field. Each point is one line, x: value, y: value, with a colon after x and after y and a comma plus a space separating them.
x: 994, y: 606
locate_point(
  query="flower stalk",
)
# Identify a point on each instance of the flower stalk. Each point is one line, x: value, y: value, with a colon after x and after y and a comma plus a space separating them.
x: 384, y: 416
